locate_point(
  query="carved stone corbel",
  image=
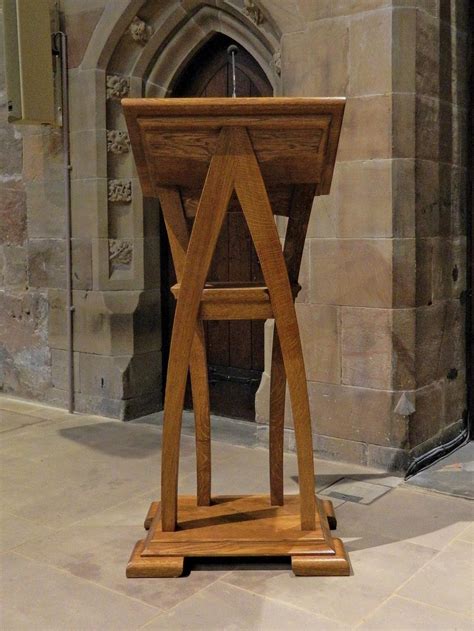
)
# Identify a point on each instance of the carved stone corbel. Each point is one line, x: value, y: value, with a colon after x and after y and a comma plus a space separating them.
x: 120, y: 191
x: 120, y: 254
x: 254, y: 12
x: 118, y: 141
x: 117, y: 87
x: 140, y: 30
x: 276, y: 62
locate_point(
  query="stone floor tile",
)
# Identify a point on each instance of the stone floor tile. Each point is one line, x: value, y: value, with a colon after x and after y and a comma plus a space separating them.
x: 222, y: 607
x: 242, y: 433
x: 84, y: 485
x: 427, y: 519
x: 398, y: 613
x: 239, y: 470
x: 347, y: 469
x: 91, y: 433
x: 243, y: 470
x: 329, y: 472
x: 467, y: 535
x: 68, y: 486
x: 14, y: 531
x: 379, y: 567
x: 58, y: 414
x: 45, y: 437
x: 130, y: 512
x: 99, y: 553
x: 378, y: 478
x: 36, y: 596
x: 447, y: 581
x: 226, y: 430
x: 17, y: 405
x: 11, y: 421
x: 356, y: 491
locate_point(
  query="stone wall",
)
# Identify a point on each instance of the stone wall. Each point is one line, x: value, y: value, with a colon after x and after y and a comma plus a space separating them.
x: 384, y: 265
x: 382, y: 318
x: 117, y: 328
x: 440, y: 97
x: 25, y: 358
x: 356, y: 314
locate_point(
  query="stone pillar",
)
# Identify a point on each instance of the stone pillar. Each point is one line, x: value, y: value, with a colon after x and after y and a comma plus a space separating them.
x: 384, y: 264
x: 439, y: 95
x: 356, y: 315
x: 116, y: 272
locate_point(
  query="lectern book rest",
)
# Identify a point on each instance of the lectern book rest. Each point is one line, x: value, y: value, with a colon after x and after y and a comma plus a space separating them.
x: 275, y: 154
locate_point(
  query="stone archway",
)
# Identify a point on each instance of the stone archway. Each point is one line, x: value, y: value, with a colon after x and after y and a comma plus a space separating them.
x: 138, y: 48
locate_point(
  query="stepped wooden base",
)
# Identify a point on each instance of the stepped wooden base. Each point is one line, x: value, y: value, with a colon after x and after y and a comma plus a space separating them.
x: 239, y: 526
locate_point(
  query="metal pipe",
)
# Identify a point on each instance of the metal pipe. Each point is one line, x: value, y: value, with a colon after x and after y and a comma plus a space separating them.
x: 62, y: 51
x: 470, y: 234
x: 232, y: 51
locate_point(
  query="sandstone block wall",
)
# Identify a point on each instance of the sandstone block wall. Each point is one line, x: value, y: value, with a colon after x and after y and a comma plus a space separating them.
x: 440, y: 161
x: 25, y: 358
x: 382, y: 318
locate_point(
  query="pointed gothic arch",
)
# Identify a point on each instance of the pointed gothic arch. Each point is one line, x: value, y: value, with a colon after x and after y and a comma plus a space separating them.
x: 139, y: 48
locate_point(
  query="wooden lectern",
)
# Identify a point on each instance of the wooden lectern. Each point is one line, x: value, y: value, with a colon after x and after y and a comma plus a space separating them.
x: 276, y: 154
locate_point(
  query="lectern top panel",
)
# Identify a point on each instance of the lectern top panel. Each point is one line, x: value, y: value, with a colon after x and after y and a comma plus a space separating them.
x: 173, y: 140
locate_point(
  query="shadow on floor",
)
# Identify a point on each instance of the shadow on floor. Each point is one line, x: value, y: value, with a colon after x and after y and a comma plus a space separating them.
x: 115, y: 439
x: 390, y: 516
x: 232, y: 564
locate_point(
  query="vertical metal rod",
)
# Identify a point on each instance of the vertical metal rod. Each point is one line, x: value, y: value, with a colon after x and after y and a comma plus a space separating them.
x: 232, y: 51
x: 234, y: 91
x: 62, y: 48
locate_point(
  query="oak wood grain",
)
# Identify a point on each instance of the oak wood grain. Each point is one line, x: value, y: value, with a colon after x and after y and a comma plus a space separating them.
x: 140, y: 566
x: 236, y: 145
x: 238, y: 526
x: 209, y: 217
x: 298, y: 219
x: 250, y: 189
x: 315, y: 123
x: 178, y: 236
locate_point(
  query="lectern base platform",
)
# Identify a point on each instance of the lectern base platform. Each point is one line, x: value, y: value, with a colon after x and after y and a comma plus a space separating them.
x: 239, y: 526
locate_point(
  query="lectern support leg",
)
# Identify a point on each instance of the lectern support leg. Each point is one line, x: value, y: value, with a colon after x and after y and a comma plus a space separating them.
x: 200, y: 392
x: 213, y: 204
x: 277, y: 422
x: 178, y: 236
x: 252, y: 194
x: 299, y: 214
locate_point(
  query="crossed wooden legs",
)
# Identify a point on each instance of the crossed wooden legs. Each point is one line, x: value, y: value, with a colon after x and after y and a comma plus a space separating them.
x: 277, y: 422
x: 214, y: 200
x: 179, y: 239
x: 253, y: 198
x: 299, y: 214
x: 234, y: 166
x: 200, y: 393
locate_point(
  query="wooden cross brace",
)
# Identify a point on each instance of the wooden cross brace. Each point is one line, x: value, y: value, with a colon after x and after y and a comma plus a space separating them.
x: 234, y: 167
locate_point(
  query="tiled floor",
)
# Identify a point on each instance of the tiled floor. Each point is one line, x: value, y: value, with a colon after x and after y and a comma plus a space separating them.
x: 75, y: 491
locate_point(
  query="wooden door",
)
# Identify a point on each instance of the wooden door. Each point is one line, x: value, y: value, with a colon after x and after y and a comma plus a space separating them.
x: 234, y: 349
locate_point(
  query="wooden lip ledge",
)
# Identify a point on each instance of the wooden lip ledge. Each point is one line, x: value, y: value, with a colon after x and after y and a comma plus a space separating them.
x: 233, y: 107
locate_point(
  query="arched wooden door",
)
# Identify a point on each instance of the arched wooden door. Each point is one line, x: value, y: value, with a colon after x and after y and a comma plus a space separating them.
x: 234, y: 349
